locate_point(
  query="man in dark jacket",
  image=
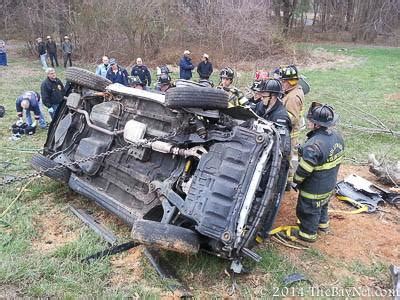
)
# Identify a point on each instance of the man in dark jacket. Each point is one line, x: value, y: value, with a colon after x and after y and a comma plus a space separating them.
x: 51, y: 48
x: 67, y: 51
x: 41, y: 47
x: 271, y: 108
x: 117, y: 74
x: 316, y: 174
x: 52, y: 90
x: 205, y: 68
x: 30, y: 102
x: 142, y: 72
x: 185, y: 66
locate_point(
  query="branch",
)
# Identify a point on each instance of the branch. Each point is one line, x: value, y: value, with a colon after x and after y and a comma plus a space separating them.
x: 372, y: 130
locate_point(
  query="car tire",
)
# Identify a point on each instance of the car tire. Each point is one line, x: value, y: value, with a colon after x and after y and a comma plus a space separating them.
x: 186, y: 83
x: 165, y: 236
x: 40, y: 162
x: 196, y: 97
x: 87, y: 79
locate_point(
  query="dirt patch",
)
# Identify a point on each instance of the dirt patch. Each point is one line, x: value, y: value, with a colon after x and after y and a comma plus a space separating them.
x: 320, y: 59
x: 393, y: 97
x: 8, y: 291
x: 127, y: 268
x: 363, y: 237
x: 53, y: 231
x: 316, y: 59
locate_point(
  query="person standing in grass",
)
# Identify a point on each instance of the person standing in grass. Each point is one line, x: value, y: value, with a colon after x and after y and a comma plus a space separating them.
x: 116, y: 73
x: 205, y: 68
x: 3, y: 53
x: 51, y: 48
x: 41, y: 48
x: 52, y: 90
x: 102, y: 69
x: 185, y: 66
x: 316, y: 174
x: 293, y: 100
x: 142, y: 72
x: 67, y: 51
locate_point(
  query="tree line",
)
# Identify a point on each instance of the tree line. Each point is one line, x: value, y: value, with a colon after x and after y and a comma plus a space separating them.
x: 240, y: 29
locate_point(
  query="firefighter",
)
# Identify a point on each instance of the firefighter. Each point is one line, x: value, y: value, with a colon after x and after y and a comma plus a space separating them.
x: 271, y: 108
x: 236, y: 97
x: 293, y: 100
x: 316, y: 174
x: 164, y: 83
x: 254, y: 96
x: 136, y: 83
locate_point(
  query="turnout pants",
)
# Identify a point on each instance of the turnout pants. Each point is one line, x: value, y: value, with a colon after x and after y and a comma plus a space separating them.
x: 294, y: 158
x: 312, y: 214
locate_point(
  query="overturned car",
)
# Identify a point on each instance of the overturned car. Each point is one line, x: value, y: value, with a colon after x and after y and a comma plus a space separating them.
x: 183, y: 170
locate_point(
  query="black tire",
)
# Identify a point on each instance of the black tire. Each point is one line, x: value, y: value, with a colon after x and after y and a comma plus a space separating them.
x: 40, y: 162
x: 196, y: 97
x: 165, y: 236
x: 87, y: 79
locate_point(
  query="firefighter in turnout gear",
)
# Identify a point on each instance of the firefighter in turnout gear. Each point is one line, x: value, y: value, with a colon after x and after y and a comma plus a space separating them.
x: 236, y: 97
x: 271, y: 109
x: 293, y: 100
x: 316, y: 174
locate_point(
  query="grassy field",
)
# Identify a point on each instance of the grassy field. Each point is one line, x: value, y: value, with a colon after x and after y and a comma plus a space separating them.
x: 42, y: 243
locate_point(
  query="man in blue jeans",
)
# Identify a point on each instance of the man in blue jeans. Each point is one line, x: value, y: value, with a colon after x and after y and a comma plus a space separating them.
x: 41, y: 48
x: 30, y: 102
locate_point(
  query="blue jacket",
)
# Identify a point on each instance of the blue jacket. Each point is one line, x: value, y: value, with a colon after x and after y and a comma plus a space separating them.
x: 121, y: 76
x: 185, y: 68
x: 143, y: 73
x: 34, y: 99
x: 102, y: 69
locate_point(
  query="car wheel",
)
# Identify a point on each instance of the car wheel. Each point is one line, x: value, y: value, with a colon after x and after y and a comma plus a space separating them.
x: 196, y: 97
x: 40, y: 162
x: 165, y: 236
x: 87, y: 79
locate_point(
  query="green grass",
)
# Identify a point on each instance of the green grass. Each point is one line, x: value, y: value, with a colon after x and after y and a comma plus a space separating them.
x: 59, y: 272
x: 364, y: 87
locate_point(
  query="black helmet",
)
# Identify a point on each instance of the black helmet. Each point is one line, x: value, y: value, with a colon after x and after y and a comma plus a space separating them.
x: 227, y: 73
x: 290, y: 72
x: 255, y: 87
x: 135, y: 80
x: 164, y: 78
x: 271, y: 85
x: 322, y: 114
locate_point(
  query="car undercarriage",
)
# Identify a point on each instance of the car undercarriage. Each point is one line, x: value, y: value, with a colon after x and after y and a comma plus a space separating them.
x: 185, y: 172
